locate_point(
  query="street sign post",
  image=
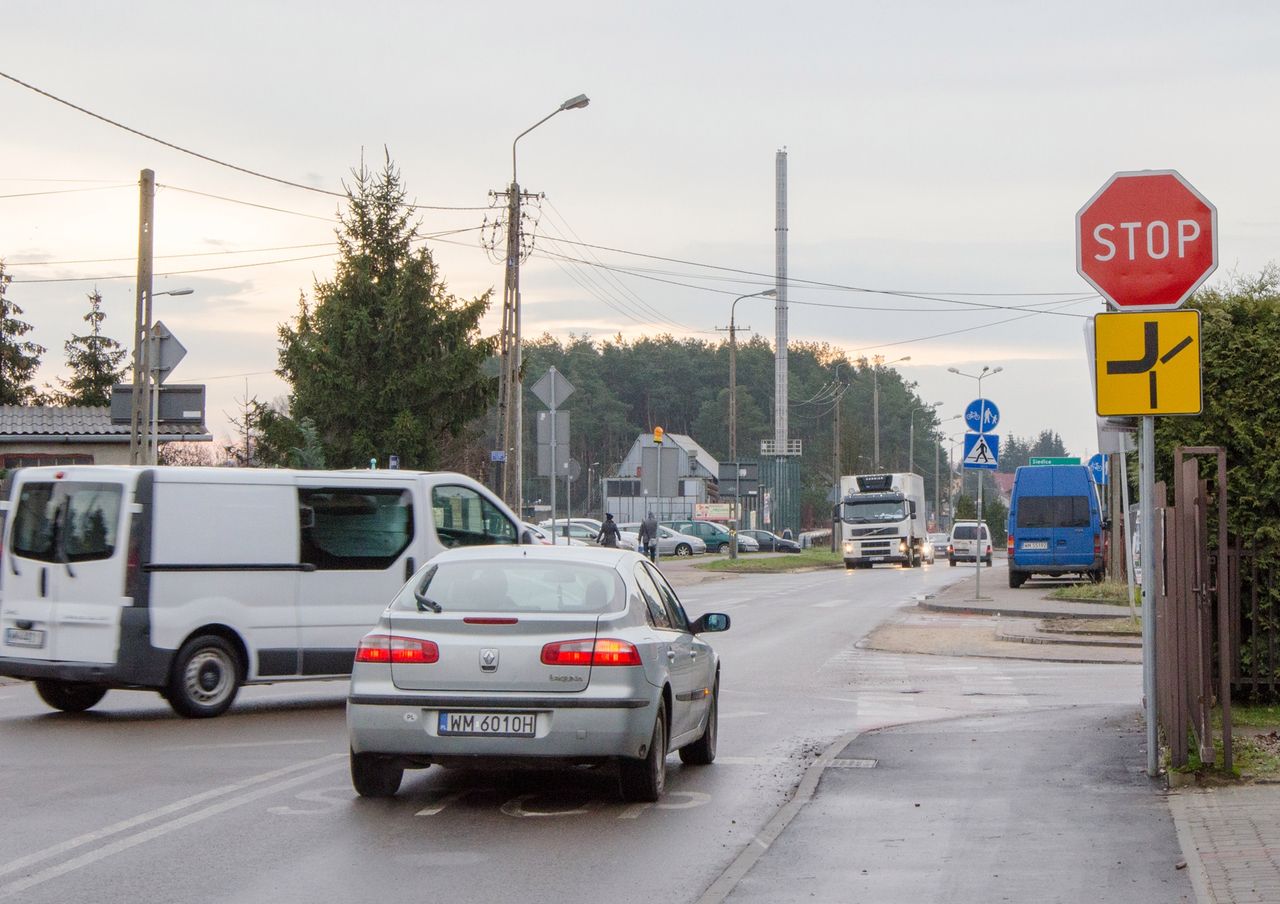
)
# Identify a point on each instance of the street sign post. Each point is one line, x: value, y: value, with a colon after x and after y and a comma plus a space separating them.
x: 552, y: 389
x: 1146, y: 240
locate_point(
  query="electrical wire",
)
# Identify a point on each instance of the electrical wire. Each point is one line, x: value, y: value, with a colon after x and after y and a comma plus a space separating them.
x: 67, y: 191
x: 134, y: 257
x: 205, y: 194
x: 197, y: 154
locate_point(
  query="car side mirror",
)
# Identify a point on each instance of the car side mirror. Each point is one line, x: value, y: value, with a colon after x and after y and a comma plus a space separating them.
x: 710, y: 623
x: 526, y: 538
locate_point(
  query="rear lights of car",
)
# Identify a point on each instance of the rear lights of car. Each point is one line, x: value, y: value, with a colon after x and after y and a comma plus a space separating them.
x: 1097, y: 546
x: 1009, y: 550
x: 601, y: 651
x: 397, y: 650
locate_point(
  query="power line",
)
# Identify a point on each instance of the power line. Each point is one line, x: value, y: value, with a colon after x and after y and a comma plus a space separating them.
x: 133, y: 257
x: 197, y: 154
x: 68, y: 191
x: 205, y: 194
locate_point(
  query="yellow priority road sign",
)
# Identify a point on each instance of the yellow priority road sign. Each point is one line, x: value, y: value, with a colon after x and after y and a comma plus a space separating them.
x: 1147, y: 363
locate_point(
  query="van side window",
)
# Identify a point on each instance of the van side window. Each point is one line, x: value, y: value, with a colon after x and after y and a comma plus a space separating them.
x: 465, y: 518
x: 354, y: 528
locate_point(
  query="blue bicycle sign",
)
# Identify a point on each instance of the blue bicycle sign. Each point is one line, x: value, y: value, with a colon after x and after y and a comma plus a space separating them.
x: 982, y: 416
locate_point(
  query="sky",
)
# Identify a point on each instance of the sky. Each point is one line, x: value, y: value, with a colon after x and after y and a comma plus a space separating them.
x: 934, y: 149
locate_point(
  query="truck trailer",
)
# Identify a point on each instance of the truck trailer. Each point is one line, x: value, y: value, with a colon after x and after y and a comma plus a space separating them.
x: 881, y: 518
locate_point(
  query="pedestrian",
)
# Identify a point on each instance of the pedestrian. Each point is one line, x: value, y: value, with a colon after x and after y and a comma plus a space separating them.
x: 649, y: 537
x: 609, y: 532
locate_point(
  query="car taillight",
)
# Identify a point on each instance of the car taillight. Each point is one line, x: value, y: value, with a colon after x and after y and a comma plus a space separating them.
x: 395, y: 649
x: 603, y: 651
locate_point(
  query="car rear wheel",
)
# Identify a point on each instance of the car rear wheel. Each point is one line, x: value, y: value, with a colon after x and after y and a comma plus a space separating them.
x: 375, y: 776
x: 205, y: 678
x: 643, y: 781
x: 702, y: 752
x: 684, y: 549
x: 69, y: 696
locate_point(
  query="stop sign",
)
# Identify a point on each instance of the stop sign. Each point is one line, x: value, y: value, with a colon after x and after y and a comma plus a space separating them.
x: 1147, y: 240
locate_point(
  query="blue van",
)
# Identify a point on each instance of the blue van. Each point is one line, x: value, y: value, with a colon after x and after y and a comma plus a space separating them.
x: 1055, y: 523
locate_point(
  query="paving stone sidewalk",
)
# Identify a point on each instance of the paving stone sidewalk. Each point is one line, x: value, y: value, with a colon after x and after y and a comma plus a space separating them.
x: 1231, y: 839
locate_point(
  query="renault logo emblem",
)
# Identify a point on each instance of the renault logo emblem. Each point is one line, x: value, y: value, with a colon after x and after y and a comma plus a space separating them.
x: 488, y: 660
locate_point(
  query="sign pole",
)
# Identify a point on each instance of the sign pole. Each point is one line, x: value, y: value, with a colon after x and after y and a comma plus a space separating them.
x: 1147, y: 469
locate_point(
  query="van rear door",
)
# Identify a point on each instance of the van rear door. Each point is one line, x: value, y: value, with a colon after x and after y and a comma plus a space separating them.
x: 1073, y: 537
x: 65, y: 568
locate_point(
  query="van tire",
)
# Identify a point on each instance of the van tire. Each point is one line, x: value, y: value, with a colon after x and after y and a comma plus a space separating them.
x: 69, y: 696
x: 1096, y: 576
x: 375, y: 776
x: 1017, y: 578
x: 205, y: 678
x: 643, y: 781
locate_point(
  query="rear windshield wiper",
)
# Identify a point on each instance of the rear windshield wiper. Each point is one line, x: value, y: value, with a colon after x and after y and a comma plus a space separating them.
x: 425, y: 603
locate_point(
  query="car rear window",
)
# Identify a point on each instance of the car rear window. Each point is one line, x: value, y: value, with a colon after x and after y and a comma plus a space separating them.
x: 1053, y: 511
x: 515, y: 585
x: 965, y: 532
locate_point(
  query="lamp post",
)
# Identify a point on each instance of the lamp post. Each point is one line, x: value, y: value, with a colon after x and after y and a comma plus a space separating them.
x: 512, y: 390
x: 875, y: 403
x: 591, y: 470
x: 977, y: 557
x: 937, y: 471
x: 149, y: 438
x: 733, y: 370
x: 911, y: 435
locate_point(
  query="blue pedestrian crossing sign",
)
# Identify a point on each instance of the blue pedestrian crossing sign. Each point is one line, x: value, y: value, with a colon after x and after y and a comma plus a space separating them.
x: 981, y: 415
x: 981, y: 451
x: 1098, y: 465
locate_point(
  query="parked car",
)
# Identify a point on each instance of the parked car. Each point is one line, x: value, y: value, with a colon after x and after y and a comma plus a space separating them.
x: 936, y: 544
x: 670, y: 543
x: 543, y: 536
x: 966, y: 545
x: 716, y: 536
x: 769, y: 541
x: 538, y: 654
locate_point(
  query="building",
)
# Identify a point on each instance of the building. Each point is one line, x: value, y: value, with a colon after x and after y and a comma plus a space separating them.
x: 686, y: 476
x: 75, y: 435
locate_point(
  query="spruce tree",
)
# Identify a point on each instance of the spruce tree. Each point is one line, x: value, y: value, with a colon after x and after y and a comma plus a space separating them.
x: 94, y: 360
x: 19, y: 358
x: 385, y: 361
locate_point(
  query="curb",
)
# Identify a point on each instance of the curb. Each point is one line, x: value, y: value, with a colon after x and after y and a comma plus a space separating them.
x: 1035, y: 636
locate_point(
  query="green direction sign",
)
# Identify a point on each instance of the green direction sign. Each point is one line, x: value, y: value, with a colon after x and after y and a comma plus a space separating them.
x: 1066, y: 460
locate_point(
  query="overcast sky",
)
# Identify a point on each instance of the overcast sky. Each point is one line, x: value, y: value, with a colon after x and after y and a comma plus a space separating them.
x: 940, y: 149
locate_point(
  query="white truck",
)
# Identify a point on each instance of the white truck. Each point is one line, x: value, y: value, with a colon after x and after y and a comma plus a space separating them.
x: 882, y: 519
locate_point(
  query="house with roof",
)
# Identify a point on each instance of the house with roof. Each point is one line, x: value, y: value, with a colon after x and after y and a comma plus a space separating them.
x: 668, y: 479
x: 79, y: 435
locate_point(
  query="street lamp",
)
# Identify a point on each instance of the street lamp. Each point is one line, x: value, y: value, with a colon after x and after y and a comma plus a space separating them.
x: 937, y: 472
x: 911, y: 434
x: 512, y: 392
x: 145, y: 361
x: 977, y: 557
x: 733, y: 371
x: 879, y: 362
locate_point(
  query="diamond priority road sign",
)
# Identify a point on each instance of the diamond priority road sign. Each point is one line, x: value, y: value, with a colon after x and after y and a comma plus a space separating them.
x: 1146, y: 240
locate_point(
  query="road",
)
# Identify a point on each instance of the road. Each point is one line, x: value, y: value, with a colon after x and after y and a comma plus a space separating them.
x: 128, y: 802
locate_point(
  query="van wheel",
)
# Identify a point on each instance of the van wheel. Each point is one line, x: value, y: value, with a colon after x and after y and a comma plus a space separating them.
x: 205, y: 678
x: 1096, y: 576
x: 724, y: 547
x: 1017, y: 578
x: 69, y: 696
x: 375, y: 776
x: 643, y: 781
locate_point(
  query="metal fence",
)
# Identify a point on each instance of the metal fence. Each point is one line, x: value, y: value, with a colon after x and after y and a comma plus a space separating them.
x: 1255, y: 621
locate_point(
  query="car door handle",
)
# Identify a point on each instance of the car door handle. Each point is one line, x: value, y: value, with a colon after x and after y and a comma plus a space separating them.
x: 671, y: 655
x: 693, y: 654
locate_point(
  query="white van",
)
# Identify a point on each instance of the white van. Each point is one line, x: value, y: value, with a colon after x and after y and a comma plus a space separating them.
x: 193, y: 581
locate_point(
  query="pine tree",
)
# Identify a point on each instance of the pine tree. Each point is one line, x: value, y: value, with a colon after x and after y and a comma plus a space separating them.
x: 19, y: 358
x: 385, y: 361
x: 94, y: 360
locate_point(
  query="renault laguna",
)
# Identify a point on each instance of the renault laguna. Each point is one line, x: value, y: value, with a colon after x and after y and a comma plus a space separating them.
x: 546, y: 654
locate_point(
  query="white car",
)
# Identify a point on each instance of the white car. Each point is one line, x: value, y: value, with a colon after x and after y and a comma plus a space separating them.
x: 543, y: 536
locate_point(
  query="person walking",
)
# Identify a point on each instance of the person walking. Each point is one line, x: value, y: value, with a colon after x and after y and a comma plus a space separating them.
x: 609, y: 532
x: 649, y: 537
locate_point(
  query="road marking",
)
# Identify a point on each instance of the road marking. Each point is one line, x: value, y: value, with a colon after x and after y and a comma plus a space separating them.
x: 742, y: 715
x: 852, y: 764
x: 515, y: 807
x: 19, y: 885
x: 231, y: 746
x: 830, y: 604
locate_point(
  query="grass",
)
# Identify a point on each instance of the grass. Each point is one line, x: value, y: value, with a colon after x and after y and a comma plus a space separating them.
x: 1255, y: 736
x: 1119, y: 626
x: 751, y: 564
x: 1113, y: 592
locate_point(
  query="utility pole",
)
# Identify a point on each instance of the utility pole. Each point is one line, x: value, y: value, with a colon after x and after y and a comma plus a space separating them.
x: 140, y: 400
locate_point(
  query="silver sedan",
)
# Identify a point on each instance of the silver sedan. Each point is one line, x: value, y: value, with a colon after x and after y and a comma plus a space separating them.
x: 535, y: 653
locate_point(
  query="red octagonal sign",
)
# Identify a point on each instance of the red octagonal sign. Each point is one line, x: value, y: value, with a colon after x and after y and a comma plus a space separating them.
x: 1147, y: 240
